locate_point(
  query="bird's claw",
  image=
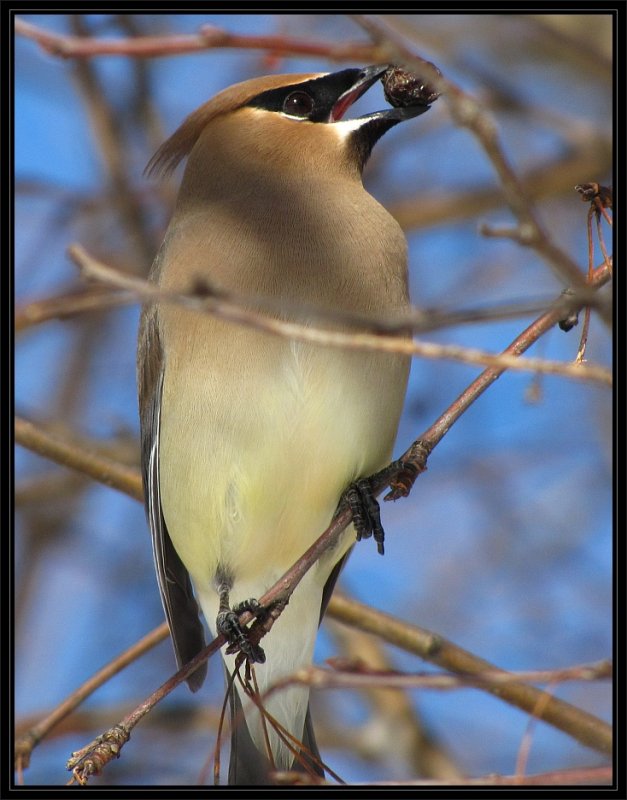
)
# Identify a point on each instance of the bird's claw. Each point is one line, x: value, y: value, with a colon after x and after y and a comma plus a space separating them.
x: 236, y: 634
x: 366, y: 512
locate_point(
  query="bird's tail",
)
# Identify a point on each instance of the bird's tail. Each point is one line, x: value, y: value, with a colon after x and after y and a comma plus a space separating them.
x: 289, y: 647
x: 249, y: 766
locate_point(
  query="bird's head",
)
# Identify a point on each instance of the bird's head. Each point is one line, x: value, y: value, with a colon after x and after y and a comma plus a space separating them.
x: 287, y: 119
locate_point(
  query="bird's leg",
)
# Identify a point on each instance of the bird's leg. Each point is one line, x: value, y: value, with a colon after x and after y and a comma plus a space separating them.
x: 228, y: 624
x: 366, y: 512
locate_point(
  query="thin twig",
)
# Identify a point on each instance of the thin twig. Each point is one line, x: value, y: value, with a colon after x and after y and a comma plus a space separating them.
x: 114, y: 149
x: 419, y: 320
x: 401, y: 732
x: 68, y: 305
x: 439, y: 206
x: 356, y: 674
x: 426, y: 644
x: 468, y: 113
x: 580, y: 776
x: 235, y: 308
x: 25, y: 744
x: 209, y: 37
x: 99, y: 467
x: 524, y: 749
x: 416, y: 456
x: 435, y: 649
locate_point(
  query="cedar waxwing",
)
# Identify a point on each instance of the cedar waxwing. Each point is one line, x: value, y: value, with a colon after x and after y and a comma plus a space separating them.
x: 249, y: 440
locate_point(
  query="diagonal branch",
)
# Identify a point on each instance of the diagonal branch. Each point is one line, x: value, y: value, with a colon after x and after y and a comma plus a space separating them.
x: 400, y: 476
x: 429, y: 646
x: 25, y: 744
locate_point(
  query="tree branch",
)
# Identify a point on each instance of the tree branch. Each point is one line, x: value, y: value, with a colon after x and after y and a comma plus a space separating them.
x: 209, y: 37
x: 26, y: 743
x: 99, y: 467
x: 234, y: 308
x: 468, y: 113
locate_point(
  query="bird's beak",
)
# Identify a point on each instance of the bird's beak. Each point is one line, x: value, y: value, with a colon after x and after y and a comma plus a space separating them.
x: 366, y: 78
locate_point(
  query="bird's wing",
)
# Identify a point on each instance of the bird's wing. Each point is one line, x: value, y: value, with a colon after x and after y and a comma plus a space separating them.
x: 175, y: 586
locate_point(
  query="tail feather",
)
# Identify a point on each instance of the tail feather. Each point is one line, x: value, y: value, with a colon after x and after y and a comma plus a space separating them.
x: 248, y: 766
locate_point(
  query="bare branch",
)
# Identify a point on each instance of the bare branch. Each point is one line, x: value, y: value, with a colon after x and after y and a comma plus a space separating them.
x: 209, y: 37
x: 237, y: 309
x: 468, y: 113
x: 584, y: 727
x: 567, y: 777
x: 366, y: 333
x: 413, y: 461
x: 114, y: 150
x: 68, y: 305
x: 25, y: 744
x: 99, y: 467
x: 439, y: 207
x: 357, y: 674
x: 430, y: 646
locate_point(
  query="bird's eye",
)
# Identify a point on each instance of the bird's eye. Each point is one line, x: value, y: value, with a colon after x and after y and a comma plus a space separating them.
x: 298, y: 104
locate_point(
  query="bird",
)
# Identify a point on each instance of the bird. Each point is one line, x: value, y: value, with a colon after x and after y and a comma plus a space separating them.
x: 249, y: 440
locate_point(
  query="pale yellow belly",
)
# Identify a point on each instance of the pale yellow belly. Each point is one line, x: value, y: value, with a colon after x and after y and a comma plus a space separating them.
x: 253, y: 460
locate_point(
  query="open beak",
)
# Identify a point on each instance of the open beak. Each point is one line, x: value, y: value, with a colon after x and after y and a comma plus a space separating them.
x: 366, y: 78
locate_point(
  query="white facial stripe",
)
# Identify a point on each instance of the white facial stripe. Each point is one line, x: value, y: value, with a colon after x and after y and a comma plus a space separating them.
x: 294, y: 117
x: 344, y: 127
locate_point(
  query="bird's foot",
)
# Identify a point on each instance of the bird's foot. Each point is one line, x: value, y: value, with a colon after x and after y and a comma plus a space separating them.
x: 237, y: 635
x: 366, y: 512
